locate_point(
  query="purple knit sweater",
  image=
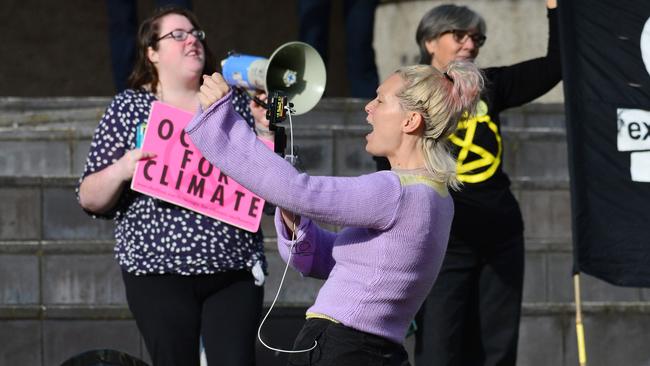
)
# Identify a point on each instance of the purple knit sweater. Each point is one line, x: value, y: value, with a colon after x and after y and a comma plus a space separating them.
x: 381, y: 266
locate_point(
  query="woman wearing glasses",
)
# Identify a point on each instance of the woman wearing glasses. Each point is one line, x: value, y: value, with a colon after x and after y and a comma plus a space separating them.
x: 471, y: 316
x: 186, y: 275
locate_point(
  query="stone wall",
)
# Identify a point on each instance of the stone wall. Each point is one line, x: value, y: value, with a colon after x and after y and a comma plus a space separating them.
x: 517, y: 30
x: 61, y: 48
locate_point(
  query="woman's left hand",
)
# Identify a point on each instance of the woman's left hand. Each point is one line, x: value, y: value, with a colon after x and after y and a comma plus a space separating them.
x: 291, y: 222
x: 214, y: 88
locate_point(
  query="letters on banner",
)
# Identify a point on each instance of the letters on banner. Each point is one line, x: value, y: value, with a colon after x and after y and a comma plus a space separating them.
x: 179, y: 174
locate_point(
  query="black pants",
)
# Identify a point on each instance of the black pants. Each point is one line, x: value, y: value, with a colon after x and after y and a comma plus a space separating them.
x: 471, y: 316
x: 173, y: 311
x: 339, y: 345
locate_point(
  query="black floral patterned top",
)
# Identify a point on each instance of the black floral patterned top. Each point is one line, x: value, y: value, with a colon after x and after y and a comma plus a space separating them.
x: 156, y: 237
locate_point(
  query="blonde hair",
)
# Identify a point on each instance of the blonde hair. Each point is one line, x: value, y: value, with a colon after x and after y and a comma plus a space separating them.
x: 442, y: 98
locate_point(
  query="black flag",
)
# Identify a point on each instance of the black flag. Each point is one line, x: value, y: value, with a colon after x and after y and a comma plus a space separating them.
x: 606, y: 71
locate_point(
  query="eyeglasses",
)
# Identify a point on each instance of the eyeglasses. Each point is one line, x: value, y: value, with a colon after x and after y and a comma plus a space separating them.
x: 181, y: 35
x: 461, y: 36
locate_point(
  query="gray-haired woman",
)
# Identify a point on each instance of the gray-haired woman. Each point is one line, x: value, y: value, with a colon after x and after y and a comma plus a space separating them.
x: 471, y: 316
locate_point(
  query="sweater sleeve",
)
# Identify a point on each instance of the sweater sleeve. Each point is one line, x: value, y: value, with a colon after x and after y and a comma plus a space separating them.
x: 523, y: 82
x: 311, y: 250
x: 225, y: 140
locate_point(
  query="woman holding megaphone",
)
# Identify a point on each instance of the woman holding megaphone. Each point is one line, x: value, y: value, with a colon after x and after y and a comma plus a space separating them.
x: 381, y: 266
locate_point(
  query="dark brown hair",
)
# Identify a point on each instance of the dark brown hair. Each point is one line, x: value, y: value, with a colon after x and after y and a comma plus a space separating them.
x: 144, y: 72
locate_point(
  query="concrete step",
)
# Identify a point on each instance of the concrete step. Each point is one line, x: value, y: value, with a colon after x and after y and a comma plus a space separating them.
x: 83, y: 271
x: 62, y: 111
x: 32, y: 209
x: 53, y: 291
x: 51, y: 137
x: 530, y: 152
x: 616, y: 334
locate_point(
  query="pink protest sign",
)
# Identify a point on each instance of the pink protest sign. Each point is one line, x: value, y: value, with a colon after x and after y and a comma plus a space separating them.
x: 179, y: 174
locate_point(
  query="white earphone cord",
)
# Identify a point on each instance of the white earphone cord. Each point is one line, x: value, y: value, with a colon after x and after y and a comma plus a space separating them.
x: 293, y: 243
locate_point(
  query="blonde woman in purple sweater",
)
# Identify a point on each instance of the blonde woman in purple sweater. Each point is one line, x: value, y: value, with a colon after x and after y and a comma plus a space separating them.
x: 380, y: 267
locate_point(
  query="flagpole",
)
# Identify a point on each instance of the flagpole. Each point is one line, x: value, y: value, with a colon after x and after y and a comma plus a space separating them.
x: 580, y: 330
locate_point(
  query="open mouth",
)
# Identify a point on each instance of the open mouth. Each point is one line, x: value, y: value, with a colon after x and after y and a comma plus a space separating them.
x: 368, y: 129
x: 469, y: 58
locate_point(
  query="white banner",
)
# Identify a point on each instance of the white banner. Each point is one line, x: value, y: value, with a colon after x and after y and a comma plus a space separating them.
x: 633, y: 129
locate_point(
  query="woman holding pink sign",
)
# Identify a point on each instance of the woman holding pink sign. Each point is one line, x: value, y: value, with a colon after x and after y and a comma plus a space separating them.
x: 187, y: 276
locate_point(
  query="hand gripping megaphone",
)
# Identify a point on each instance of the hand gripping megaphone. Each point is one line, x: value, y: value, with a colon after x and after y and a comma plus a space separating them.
x: 295, y: 69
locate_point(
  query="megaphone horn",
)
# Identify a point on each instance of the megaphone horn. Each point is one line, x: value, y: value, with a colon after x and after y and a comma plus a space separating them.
x: 295, y: 68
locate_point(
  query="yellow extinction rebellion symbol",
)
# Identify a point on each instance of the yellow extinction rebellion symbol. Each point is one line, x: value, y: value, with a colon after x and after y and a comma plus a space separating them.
x: 481, y: 165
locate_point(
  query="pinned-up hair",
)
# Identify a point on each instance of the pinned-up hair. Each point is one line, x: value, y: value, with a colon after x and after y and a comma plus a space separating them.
x: 442, y: 98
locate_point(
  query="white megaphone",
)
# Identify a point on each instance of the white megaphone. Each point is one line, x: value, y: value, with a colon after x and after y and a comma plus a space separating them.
x: 295, y: 68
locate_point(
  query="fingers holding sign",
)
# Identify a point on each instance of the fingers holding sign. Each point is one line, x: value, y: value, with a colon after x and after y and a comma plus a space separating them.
x: 214, y: 88
x: 126, y: 164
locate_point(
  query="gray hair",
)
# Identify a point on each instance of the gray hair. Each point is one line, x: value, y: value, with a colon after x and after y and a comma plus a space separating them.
x: 442, y: 19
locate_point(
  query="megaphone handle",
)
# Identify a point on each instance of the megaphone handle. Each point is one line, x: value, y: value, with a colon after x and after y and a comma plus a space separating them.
x: 280, y: 140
